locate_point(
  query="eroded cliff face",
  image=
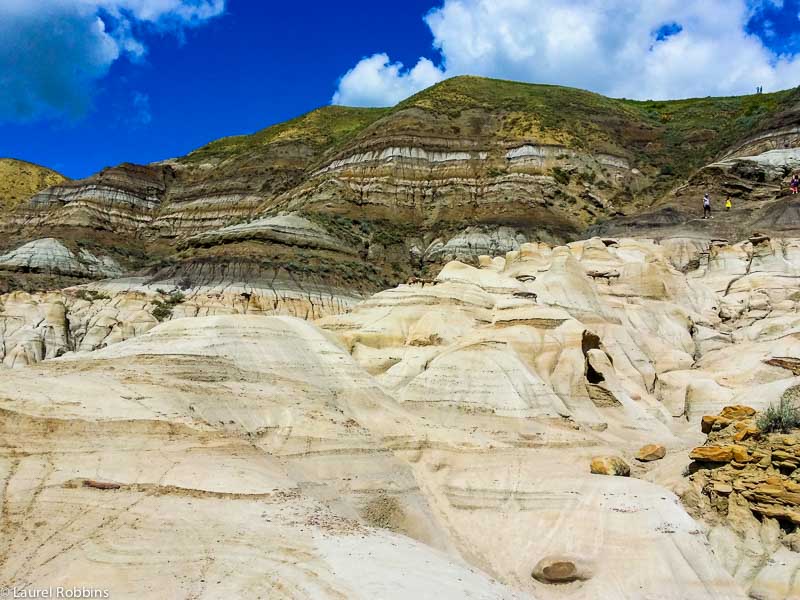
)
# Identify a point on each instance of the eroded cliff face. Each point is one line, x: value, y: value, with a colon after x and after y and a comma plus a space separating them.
x: 754, y: 172
x: 444, y: 428
x: 468, y: 167
x: 438, y: 171
x: 43, y: 325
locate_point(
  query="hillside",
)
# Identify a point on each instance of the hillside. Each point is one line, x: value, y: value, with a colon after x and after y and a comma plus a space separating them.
x: 467, y: 167
x: 19, y: 180
x: 674, y: 137
x: 324, y: 128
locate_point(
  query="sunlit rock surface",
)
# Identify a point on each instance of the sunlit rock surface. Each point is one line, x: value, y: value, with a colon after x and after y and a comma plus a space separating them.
x: 434, y: 440
x: 48, y: 255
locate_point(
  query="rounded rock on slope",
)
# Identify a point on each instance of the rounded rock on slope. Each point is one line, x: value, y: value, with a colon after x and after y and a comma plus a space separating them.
x: 651, y: 452
x: 559, y: 569
x: 737, y: 412
x: 610, y: 465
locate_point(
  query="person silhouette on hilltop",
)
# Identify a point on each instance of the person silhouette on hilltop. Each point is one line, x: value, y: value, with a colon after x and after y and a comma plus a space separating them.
x: 795, y: 183
x: 706, y: 207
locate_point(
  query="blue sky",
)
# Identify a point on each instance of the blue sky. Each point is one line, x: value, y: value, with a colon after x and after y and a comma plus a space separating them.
x: 91, y: 83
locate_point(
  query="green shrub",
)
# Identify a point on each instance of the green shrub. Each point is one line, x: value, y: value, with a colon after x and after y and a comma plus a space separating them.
x: 495, y: 172
x: 163, y: 308
x: 560, y: 175
x: 161, y: 312
x: 783, y: 417
x: 91, y: 295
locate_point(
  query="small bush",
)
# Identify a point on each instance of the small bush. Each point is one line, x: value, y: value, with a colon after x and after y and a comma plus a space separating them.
x: 495, y: 172
x: 91, y: 295
x: 784, y: 417
x: 163, y: 308
x: 560, y: 175
x: 161, y: 312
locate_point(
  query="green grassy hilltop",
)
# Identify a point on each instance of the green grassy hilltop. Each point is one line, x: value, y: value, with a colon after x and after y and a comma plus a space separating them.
x: 673, y: 137
x: 19, y: 180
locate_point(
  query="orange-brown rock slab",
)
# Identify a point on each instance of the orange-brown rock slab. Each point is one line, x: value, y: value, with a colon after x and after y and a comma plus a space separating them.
x: 720, y: 454
x: 651, y: 452
x: 737, y: 412
x: 712, y: 422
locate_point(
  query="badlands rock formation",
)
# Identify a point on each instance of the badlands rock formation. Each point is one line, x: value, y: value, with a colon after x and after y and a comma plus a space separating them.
x: 434, y: 440
x: 42, y: 325
x: 468, y: 167
x: 745, y: 483
x: 754, y: 172
x: 48, y: 255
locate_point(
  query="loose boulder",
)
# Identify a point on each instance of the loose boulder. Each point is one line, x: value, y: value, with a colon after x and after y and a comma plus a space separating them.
x: 651, y: 452
x: 559, y: 569
x: 610, y: 465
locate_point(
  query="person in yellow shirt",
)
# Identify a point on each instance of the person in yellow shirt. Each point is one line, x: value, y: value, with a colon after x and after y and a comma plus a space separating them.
x: 728, y: 203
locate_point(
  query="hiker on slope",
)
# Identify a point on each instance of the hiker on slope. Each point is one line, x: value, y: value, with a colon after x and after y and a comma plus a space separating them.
x: 706, y: 207
x: 795, y: 184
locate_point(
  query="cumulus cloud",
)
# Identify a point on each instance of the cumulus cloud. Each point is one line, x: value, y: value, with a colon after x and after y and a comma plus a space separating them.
x: 625, y: 48
x: 53, y: 51
x: 376, y: 81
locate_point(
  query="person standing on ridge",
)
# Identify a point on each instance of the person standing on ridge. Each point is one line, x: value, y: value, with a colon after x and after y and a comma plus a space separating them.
x: 795, y: 183
x: 706, y: 207
x: 728, y: 204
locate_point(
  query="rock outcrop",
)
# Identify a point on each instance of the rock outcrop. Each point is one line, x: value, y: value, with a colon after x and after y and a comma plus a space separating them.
x: 48, y: 255
x: 747, y: 488
x: 40, y: 326
x: 245, y: 441
x: 19, y: 180
x: 440, y: 425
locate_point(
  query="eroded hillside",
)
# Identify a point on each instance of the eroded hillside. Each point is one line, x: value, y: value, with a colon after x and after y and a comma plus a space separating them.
x: 467, y: 167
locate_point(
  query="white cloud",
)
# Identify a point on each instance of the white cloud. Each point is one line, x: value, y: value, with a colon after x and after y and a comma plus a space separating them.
x: 53, y: 51
x: 376, y: 81
x: 609, y: 46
